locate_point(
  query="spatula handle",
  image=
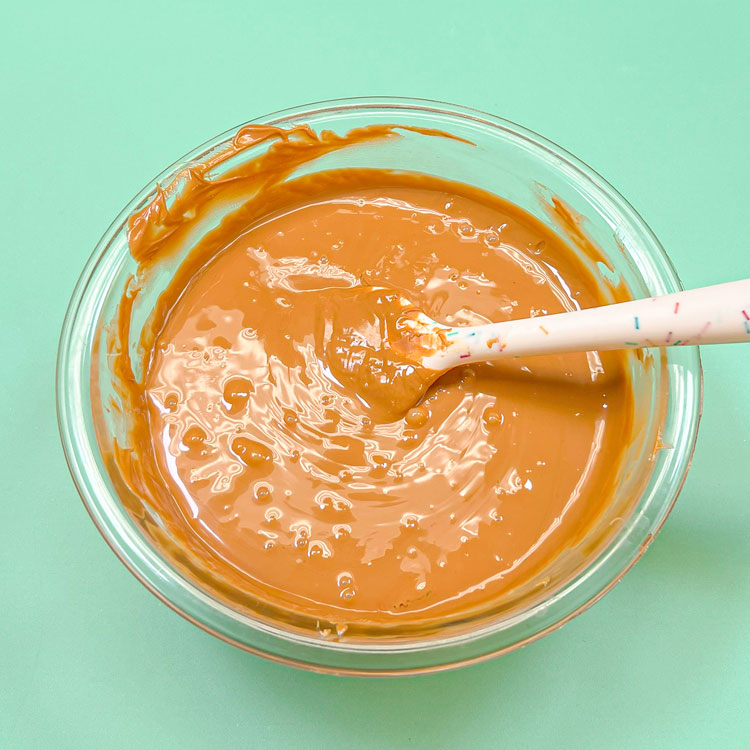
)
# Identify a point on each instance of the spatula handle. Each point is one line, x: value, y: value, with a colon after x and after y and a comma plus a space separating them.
x: 717, y: 314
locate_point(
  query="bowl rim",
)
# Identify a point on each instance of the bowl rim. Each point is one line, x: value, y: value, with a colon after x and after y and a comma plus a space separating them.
x: 152, y: 569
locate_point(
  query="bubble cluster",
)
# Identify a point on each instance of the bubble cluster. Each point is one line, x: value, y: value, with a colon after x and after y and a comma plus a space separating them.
x: 345, y: 583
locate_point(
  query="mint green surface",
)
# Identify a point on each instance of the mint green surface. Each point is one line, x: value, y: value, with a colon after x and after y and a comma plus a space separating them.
x: 97, y: 98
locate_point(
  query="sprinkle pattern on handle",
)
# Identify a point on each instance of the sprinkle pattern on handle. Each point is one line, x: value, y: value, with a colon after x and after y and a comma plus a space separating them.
x: 710, y: 315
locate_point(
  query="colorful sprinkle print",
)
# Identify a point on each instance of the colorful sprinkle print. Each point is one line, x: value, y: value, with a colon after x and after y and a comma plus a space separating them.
x: 644, y: 325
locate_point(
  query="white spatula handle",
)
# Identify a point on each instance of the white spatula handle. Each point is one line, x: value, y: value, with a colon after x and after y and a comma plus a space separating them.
x: 710, y: 315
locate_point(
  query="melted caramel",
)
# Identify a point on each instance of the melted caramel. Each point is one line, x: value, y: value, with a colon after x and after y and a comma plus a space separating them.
x: 295, y: 462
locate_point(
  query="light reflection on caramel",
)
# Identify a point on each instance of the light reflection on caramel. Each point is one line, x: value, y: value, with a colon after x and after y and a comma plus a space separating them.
x: 251, y: 436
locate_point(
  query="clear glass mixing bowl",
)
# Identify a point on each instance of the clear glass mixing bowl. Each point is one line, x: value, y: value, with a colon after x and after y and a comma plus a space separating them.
x: 515, y: 164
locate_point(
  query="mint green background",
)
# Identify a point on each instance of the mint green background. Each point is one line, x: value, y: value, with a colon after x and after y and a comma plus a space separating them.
x: 96, y: 98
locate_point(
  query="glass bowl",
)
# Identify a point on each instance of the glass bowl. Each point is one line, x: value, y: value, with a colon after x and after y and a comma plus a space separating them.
x: 517, y: 165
